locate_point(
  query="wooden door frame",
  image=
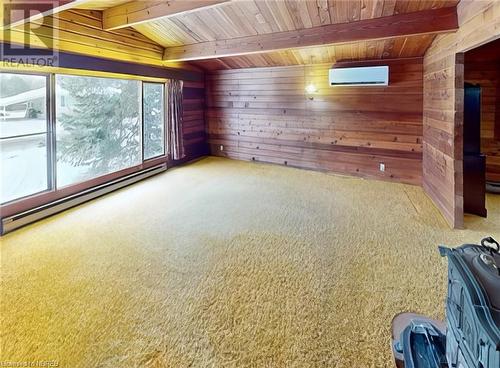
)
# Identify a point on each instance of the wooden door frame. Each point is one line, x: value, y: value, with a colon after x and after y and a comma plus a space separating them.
x: 458, y: 140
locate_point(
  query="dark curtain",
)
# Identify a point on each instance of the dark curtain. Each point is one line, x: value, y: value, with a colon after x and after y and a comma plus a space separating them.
x: 174, y: 119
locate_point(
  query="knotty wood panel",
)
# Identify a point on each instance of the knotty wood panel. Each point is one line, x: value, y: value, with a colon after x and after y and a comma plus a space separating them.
x: 443, y: 104
x: 265, y: 115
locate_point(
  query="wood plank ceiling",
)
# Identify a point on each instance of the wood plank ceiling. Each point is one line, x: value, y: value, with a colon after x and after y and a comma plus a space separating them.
x: 401, y: 47
x: 100, y: 4
x: 240, y: 18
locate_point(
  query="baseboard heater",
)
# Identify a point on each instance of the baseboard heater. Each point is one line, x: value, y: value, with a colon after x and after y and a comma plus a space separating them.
x: 13, y: 222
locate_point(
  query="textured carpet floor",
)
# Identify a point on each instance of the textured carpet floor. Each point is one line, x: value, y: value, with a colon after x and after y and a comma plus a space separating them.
x: 228, y: 264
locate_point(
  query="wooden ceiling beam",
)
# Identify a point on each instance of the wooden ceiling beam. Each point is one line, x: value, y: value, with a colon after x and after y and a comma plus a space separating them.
x: 19, y: 12
x: 136, y: 12
x: 432, y: 21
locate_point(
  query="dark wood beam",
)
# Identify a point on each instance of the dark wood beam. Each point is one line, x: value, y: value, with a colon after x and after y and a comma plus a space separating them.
x: 137, y: 12
x: 408, y: 24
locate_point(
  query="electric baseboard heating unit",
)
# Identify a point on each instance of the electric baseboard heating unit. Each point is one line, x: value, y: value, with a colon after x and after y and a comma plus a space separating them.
x: 361, y: 76
x: 10, y: 223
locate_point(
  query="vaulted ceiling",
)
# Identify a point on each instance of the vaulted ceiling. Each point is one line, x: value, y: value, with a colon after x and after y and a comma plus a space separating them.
x: 239, y: 18
x: 399, y: 47
x: 293, y: 31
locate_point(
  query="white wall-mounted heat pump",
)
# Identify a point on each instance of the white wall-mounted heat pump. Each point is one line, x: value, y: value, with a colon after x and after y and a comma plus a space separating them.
x: 362, y: 76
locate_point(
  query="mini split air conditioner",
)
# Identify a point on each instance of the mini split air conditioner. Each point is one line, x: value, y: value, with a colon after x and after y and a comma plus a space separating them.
x: 362, y: 76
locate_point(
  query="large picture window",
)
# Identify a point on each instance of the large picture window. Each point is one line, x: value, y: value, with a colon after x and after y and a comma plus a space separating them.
x: 59, y: 130
x: 23, y: 135
x: 98, y: 127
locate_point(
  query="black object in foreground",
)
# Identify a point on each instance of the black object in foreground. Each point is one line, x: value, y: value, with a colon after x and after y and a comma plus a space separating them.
x: 471, y: 336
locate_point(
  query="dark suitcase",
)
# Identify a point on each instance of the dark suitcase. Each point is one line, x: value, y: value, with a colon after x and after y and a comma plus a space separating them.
x: 473, y: 305
x: 471, y: 337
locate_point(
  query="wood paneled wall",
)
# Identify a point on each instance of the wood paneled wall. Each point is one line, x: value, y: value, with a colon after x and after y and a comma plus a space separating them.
x: 193, y: 129
x: 442, y: 156
x: 487, y: 75
x: 265, y: 114
x: 443, y: 104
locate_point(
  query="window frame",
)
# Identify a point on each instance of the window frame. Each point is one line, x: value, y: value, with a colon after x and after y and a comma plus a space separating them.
x: 164, y: 90
x: 53, y: 191
x: 140, y: 114
x: 47, y: 133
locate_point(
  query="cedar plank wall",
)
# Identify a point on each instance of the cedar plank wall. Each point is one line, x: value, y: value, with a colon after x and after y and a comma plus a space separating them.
x: 193, y: 128
x: 443, y: 104
x: 264, y: 114
x: 487, y: 75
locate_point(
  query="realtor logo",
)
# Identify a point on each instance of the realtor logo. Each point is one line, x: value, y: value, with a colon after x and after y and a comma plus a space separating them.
x: 28, y: 32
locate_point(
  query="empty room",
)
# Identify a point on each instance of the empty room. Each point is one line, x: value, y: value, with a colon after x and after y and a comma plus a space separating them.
x: 250, y: 183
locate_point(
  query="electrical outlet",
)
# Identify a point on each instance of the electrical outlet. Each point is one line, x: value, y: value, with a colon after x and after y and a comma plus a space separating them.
x: 221, y: 147
x: 382, y: 166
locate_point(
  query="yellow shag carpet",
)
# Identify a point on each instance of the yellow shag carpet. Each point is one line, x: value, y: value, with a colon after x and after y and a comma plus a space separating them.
x: 228, y: 264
